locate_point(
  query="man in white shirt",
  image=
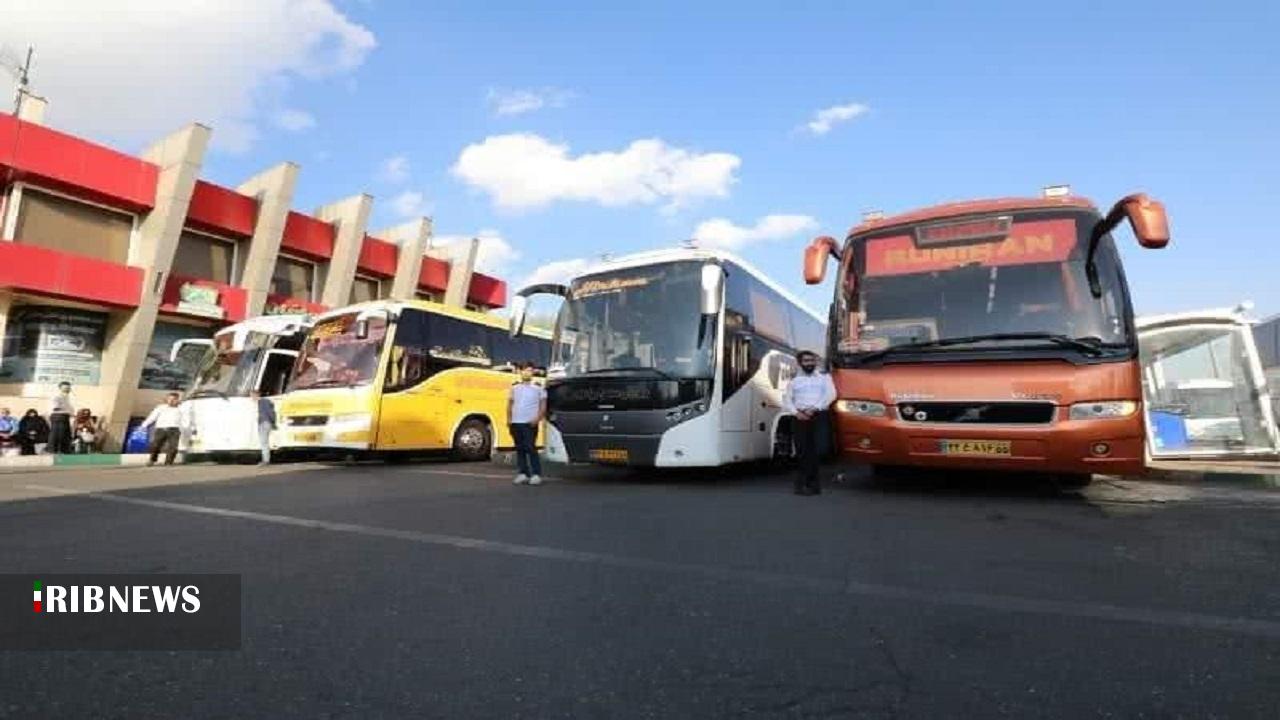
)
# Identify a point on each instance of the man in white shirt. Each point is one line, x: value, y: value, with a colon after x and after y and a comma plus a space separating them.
x: 526, y: 406
x: 166, y: 423
x: 808, y: 397
x: 61, y: 409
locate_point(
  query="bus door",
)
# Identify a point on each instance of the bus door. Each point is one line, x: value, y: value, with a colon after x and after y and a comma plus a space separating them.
x: 273, y: 376
x: 413, y: 408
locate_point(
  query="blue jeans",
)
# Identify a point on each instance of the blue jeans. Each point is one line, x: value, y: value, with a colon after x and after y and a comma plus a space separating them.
x: 526, y: 438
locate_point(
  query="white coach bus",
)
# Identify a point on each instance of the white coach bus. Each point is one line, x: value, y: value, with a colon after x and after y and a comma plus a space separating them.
x: 256, y: 354
x: 672, y: 358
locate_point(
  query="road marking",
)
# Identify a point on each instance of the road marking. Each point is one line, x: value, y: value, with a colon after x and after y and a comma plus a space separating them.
x: 982, y: 601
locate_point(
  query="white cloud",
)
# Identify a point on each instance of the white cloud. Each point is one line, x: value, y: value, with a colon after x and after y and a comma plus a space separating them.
x: 720, y: 232
x: 129, y: 73
x: 495, y: 255
x: 519, y: 101
x: 528, y: 171
x: 559, y: 271
x: 394, y: 169
x: 294, y: 120
x: 409, y: 203
x: 827, y: 118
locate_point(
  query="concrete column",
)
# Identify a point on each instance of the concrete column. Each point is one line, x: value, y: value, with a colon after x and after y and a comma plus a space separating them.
x: 350, y: 217
x: 273, y: 189
x: 31, y: 108
x: 179, y: 157
x: 462, y: 263
x: 412, y: 239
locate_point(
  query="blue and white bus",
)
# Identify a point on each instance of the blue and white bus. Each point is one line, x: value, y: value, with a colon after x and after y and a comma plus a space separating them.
x: 672, y: 358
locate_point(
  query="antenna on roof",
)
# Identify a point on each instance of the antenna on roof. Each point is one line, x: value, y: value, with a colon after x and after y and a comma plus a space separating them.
x: 21, y: 73
x: 872, y: 215
x: 1057, y: 191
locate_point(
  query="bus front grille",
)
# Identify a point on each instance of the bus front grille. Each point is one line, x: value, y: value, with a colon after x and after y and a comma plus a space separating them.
x: 978, y: 413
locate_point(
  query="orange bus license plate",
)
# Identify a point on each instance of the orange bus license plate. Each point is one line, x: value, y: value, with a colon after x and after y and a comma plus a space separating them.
x: 307, y: 437
x: 994, y: 448
x: 610, y: 455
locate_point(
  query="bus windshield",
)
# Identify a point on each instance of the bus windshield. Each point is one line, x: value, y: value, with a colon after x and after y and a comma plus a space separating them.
x: 333, y: 355
x: 637, y: 319
x: 228, y: 372
x: 1029, y: 282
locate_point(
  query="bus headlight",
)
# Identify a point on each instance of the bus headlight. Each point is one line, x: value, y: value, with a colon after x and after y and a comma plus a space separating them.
x: 1102, y: 409
x: 865, y: 408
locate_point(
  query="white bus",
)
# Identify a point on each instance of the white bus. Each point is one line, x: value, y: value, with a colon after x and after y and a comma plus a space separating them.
x: 672, y: 358
x: 256, y: 354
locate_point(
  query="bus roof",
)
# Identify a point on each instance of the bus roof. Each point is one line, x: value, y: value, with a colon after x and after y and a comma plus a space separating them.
x: 458, y: 313
x: 270, y: 324
x: 653, y: 257
x: 971, y: 207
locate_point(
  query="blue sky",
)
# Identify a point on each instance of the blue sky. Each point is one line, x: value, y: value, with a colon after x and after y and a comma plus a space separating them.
x: 979, y: 100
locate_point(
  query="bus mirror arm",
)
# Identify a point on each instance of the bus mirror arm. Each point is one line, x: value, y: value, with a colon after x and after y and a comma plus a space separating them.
x: 815, y: 258
x: 520, y: 303
x: 1148, y: 221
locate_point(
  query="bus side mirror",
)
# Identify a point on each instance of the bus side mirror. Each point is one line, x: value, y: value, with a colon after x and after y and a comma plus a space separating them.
x: 815, y: 259
x: 1148, y: 220
x: 712, y: 289
x: 519, y: 308
x: 362, y: 328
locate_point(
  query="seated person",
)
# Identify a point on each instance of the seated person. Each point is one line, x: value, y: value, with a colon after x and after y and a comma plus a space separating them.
x: 85, y: 431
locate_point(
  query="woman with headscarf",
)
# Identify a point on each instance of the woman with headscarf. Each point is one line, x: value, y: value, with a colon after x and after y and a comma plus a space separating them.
x: 32, y: 430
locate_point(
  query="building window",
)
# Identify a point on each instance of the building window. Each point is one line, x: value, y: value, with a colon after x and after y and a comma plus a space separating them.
x: 474, y: 307
x: 204, y: 257
x: 158, y: 372
x: 293, y: 278
x: 69, y: 226
x: 50, y: 344
x: 428, y: 296
x: 364, y: 289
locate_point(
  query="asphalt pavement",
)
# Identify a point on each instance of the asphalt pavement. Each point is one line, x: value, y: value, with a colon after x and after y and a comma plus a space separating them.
x: 442, y: 590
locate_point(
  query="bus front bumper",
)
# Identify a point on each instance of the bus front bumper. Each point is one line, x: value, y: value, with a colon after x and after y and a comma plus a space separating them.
x: 1105, y: 447
x: 340, y: 432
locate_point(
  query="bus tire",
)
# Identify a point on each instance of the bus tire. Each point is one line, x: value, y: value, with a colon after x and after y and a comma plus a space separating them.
x: 783, y: 449
x: 472, y: 440
x: 1073, y: 481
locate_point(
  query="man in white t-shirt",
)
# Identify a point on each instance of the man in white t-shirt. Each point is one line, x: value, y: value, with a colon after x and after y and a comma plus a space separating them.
x: 526, y: 406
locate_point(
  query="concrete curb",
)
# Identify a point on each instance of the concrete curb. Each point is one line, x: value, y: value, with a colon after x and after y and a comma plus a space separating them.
x: 46, y: 463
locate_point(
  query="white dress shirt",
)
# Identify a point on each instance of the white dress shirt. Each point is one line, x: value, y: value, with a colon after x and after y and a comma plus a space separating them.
x: 809, y: 392
x: 164, y: 417
x: 61, y: 405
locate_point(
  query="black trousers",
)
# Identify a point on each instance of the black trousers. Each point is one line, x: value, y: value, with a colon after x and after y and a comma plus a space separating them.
x: 59, y: 433
x: 811, y: 439
x: 164, y: 439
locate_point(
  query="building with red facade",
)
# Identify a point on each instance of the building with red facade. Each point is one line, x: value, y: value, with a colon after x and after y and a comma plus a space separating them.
x: 107, y: 258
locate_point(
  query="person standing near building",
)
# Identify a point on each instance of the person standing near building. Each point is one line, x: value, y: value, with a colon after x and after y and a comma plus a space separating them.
x: 808, y: 397
x: 60, y: 411
x: 266, y: 423
x: 166, y: 423
x: 526, y: 406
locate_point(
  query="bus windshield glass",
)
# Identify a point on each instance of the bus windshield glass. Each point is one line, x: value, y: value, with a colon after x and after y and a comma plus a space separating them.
x: 1028, y: 280
x: 334, y: 356
x: 228, y: 372
x: 638, y: 319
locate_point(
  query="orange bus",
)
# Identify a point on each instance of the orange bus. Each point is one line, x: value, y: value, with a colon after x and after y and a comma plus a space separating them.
x: 990, y: 334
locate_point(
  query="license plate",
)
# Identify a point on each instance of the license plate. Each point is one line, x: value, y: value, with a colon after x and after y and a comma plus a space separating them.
x: 996, y: 448
x: 610, y: 455
x: 307, y: 437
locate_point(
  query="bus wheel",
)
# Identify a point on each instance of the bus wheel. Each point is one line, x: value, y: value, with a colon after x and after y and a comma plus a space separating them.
x: 1072, y: 481
x: 472, y: 440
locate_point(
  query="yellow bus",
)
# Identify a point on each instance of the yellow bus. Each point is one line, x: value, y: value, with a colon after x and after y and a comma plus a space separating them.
x: 402, y: 377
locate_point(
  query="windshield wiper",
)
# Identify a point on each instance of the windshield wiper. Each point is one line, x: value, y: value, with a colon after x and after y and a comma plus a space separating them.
x: 328, y: 382
x: 655, y: 371
x: 1087, y: 345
